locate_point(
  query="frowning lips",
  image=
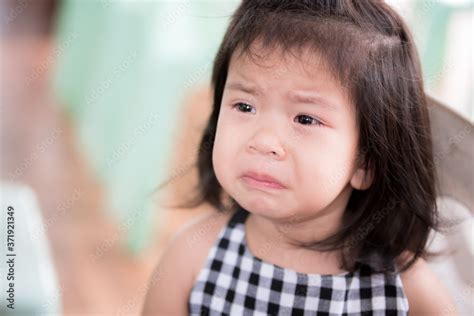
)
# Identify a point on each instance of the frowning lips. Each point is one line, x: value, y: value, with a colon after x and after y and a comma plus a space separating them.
x: 260, y: 179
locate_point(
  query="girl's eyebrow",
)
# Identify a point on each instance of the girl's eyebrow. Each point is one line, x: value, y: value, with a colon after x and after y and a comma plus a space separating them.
x: 239, y: 86
x: 315, y: 99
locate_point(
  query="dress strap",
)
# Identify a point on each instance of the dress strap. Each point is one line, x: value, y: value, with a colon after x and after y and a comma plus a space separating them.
x: 239, y: 216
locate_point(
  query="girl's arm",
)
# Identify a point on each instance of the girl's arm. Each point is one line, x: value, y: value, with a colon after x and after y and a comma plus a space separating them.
x: 426, y: 294
x: 172, y: 280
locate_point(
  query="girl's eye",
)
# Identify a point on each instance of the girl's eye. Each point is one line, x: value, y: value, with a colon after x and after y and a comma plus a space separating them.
x: 244, y: 107
x: 307, y: 120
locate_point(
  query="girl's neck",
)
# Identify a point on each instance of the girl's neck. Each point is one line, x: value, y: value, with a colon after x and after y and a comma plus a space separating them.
x: 276, y: 242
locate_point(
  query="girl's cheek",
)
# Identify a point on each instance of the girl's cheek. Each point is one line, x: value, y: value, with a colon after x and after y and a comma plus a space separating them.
x: 227, y: 135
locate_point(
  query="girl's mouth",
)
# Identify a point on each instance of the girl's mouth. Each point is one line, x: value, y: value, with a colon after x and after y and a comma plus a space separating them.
x: 260, y: 180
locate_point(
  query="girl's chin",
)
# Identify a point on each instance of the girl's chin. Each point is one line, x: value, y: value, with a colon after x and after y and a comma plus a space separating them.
x: 264, y: 208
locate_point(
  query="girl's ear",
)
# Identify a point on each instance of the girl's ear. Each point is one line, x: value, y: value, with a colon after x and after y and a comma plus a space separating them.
x: 362, y: 178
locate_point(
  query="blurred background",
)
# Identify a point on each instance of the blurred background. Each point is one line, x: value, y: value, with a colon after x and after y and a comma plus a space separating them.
x: 102, y: 105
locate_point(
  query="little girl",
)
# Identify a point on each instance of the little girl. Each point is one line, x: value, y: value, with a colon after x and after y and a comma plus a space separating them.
x: 317, y: 169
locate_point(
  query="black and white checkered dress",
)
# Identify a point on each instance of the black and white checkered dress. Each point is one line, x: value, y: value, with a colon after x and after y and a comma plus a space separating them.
x: 235, y: 282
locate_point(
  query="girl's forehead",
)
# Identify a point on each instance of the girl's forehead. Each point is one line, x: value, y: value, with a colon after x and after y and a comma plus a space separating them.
x: 299, y: 69
x: 302, y: 62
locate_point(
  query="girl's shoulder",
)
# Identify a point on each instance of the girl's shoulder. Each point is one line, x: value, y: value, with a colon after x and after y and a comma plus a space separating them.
x: 198, y: 236
x: 174, y: 276
x: 425, y: 292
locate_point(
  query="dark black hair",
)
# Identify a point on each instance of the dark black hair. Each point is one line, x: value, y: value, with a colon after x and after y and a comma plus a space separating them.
x: 367, y: 46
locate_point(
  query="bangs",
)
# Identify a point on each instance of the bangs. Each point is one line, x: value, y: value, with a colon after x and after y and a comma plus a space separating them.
x: 344, y: 47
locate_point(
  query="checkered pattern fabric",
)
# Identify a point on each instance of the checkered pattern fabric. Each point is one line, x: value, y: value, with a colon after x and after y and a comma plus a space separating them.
x: 235, y: 282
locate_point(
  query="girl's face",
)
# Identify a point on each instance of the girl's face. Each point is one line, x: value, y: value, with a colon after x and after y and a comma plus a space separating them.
x: 286, y: 139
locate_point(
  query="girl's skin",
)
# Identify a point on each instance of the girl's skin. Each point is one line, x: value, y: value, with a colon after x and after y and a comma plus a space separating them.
x: 261, y: 128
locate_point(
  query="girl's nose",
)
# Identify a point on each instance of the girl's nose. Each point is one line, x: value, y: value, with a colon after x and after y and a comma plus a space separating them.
x: 266, y: 142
